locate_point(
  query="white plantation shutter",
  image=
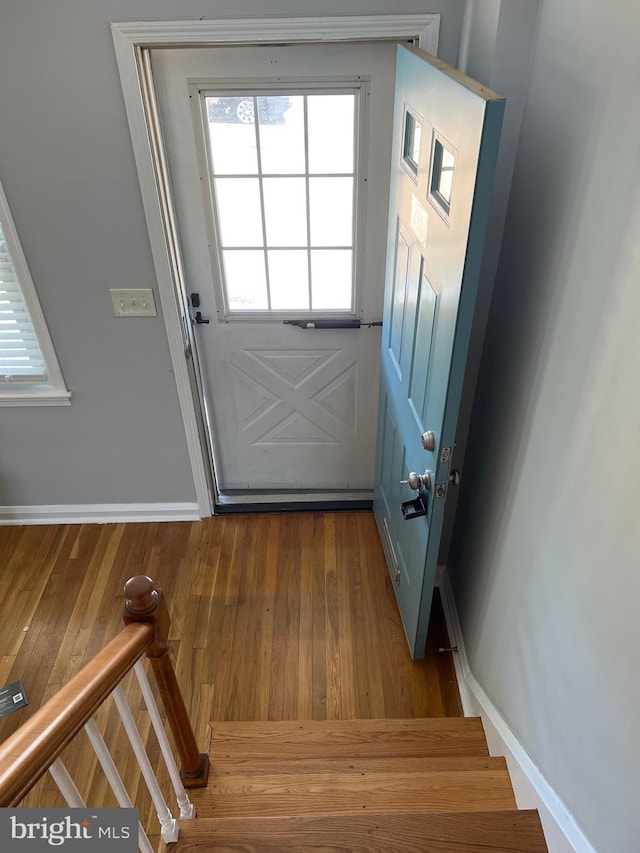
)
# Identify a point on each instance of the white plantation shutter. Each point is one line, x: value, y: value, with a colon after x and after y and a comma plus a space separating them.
x: 20, y: 355
x: 29, y: 370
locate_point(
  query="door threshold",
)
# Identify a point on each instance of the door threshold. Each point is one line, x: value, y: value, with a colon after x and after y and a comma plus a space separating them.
x: 259, y: 501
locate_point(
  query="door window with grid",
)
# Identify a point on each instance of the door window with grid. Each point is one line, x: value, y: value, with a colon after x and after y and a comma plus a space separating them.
x: 282, y: 174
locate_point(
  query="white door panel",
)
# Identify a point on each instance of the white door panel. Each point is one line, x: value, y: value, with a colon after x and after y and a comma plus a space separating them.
x: 291, y: 409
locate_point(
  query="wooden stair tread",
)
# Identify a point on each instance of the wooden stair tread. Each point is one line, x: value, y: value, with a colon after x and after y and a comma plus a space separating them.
x: 454, y: 832
x: 343, y: 791
x: 348, y: 738
x: 360, y: 785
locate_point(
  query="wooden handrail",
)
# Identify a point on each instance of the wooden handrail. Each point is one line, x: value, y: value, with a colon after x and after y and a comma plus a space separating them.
x: 29, y: 752
x: 26, y: 755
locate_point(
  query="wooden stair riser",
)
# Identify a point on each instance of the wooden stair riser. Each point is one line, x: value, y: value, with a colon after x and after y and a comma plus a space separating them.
x: 321, y: 769
x: 347, y: 794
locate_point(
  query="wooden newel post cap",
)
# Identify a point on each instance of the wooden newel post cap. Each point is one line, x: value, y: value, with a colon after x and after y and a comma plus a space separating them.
x: 144, y: 603
x: 141, y: 596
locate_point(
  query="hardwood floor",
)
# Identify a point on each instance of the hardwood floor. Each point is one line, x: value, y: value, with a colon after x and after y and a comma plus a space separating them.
x: 274, y: 617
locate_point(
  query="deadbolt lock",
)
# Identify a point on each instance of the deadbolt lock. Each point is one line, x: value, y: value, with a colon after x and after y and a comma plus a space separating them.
x: 428, y: 440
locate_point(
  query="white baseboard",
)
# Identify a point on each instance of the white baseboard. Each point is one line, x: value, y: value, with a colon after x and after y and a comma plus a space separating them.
x: 460, y: 662
x: 98, y: 513
x: 532, y: 791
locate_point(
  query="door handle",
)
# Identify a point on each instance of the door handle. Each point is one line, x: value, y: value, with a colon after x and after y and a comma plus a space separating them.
x: 324, y: 324
x: 418, y: 481
x: 195, y: 303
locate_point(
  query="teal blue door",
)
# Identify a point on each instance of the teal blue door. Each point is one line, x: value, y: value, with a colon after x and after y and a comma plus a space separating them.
x: 445, y: 143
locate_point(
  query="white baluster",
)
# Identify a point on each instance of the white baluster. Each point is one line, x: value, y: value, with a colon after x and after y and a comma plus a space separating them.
x: 187, y: 809
x: 169, y: 826
x: 114, y: 779
x: 66, y: 785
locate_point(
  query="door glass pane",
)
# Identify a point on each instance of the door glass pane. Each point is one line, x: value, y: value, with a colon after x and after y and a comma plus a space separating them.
x: 246, y: 280
x: 283, y: 181
x: 239, y: 211
x: 442, y: 172
x: 232, y: 143
x: 330, y: 203
x: 289, y: 279
x: 331, y: 137
x: 282, y: 134
x: 331, y: 276
x: 285, y: 211
x: 446, y: 175
x: 411, y: 144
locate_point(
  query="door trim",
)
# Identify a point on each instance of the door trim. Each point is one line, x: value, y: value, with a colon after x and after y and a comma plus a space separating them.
x: 130, y: 38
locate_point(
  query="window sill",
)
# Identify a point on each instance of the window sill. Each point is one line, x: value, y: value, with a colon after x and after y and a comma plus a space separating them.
x: 34, y: 395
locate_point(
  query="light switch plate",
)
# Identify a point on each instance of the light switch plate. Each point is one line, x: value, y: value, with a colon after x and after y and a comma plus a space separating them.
x: 133, y: 303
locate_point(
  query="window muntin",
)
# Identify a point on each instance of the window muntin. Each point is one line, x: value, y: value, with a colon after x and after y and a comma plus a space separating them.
x: 29, y: 372
x: 284, y: 192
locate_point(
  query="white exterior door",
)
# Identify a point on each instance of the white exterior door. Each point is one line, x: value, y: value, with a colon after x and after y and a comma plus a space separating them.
x: 292, y: 409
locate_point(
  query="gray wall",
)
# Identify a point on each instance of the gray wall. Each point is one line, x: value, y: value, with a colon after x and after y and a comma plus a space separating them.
x: 67, y: 167
x: 547, y: 540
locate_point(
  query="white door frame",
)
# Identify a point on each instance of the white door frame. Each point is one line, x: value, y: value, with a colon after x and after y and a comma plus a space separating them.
x: 129, y: 39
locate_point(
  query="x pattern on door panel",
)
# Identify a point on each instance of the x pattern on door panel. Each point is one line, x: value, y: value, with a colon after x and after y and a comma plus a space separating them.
x: 294, y: 397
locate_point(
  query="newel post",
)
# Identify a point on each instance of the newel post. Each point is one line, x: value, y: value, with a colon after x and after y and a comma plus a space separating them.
x: 145, y: 603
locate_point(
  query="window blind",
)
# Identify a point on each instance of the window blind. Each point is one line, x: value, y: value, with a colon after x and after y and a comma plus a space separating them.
x: 20, y: 355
